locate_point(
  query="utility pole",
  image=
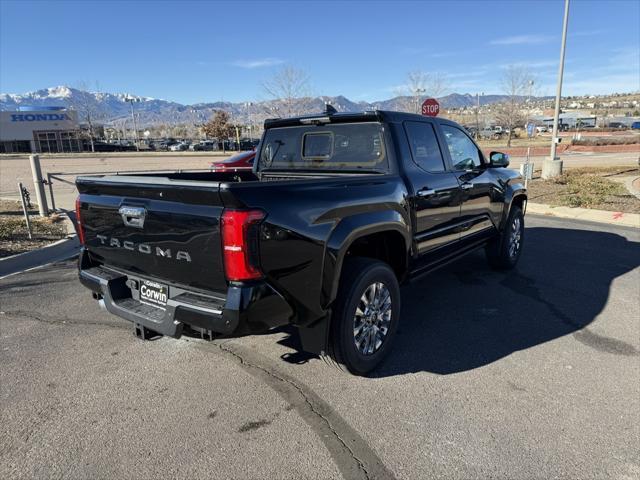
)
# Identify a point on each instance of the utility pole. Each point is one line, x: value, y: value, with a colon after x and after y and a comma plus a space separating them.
x: 552, y: 166
x: 131, y: 100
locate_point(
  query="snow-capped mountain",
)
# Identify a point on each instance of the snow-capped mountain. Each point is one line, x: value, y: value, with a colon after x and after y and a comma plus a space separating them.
x: 112, y: 107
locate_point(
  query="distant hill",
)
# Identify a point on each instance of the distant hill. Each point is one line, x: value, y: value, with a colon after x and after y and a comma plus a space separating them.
x: 113, y: 107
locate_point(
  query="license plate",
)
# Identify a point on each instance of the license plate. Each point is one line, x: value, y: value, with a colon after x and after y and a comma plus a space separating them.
x: 153, y: 293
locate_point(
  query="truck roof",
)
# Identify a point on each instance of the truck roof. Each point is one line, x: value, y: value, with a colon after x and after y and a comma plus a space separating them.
x: 349, y: 117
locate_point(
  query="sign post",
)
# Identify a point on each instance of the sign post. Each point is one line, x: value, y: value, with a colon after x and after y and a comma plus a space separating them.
x: 38, y: 184
x: 24, y: 209
x: 430, y: 107
x: 526, y: 169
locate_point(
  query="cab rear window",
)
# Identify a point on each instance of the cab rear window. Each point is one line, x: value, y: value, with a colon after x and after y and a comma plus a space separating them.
x: 317, y: 145
x: 348, y: 146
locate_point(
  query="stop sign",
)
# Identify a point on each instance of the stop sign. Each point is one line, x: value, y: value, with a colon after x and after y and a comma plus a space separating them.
x: 430, y: 107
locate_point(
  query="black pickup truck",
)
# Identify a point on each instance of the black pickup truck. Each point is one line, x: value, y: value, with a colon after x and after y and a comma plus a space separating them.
x: 339, y: 210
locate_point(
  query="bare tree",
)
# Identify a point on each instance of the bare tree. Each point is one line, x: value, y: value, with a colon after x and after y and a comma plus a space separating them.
x: 418, y: 86
x: 290, y: 87
x: 89, y: 109
x: 516, y: 84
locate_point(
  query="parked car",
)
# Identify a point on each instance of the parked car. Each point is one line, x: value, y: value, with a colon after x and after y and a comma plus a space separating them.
x: 490, y: 133
x: 471, y: 129
x: 541, y: 129
x: 635, y: 125
x: 339, y: 211
x: 241, y: 161
x: 100, y: 146
x: 164, y: 145
x: 179, y: 147
x: 618, y: 125
x: 204, y: 146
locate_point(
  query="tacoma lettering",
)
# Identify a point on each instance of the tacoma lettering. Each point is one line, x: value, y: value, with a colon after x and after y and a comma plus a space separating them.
x: 180, y: 255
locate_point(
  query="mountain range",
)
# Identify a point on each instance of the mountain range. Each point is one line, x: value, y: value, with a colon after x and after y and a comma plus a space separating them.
x: 114, y: 107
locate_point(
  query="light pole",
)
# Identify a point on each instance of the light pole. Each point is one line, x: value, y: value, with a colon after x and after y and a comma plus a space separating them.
x: 133, y: 100
x: 478, y: 115
x: 417, y: 93
x: 248, y: 105
x: 552, y: 166
x: 530, y: 83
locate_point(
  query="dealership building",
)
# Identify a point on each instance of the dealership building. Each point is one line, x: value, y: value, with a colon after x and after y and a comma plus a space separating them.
x: 39, y: 130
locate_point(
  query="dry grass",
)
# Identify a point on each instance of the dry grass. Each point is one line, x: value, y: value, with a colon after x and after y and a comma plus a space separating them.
x: 587, y: 188
x: 538, y: 141
x: 14, y: 236
x: 609, y: 140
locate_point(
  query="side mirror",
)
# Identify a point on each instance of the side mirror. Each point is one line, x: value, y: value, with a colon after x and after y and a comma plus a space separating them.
x: 498, y: 159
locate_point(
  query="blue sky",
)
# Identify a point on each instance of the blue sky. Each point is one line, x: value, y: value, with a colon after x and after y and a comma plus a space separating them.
x: 198, y: 51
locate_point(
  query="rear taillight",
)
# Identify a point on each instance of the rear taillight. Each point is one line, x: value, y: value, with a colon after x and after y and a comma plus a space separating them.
x: 240, y: 244
x: 79, y: 224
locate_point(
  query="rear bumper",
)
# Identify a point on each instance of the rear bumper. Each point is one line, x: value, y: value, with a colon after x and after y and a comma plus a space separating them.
x: 245, y: 309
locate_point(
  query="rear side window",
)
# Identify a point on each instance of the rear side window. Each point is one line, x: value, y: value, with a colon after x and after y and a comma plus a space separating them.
x: 424, y: 146
x: 346, y: 146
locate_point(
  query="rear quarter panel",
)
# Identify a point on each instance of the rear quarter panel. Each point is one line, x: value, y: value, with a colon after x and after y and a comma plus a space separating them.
x: 301, y: 237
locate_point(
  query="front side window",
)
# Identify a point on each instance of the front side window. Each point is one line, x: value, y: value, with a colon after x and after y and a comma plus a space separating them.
x: 347, y: 146
x: 464, y: 153
x: 424, y: 146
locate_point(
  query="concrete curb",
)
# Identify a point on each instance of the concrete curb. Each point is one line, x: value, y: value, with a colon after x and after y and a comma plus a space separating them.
x: 633, y: 185
x: 599, y: 216
x: 56, y: 252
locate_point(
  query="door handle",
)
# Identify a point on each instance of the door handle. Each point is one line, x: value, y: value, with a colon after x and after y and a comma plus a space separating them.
x: 426, y: 192
x: 133, y: 216
x: 466, y: 186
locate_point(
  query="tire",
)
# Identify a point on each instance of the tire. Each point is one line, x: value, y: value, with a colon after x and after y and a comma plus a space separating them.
x: 361, y: 279
x: 503, y: 252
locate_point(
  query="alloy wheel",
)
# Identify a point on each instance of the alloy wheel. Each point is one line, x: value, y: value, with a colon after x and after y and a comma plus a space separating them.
x: 372, y: 318
x: 515, y: 238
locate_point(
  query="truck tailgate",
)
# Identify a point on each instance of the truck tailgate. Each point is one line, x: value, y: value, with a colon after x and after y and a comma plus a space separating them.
x: 163, y: 229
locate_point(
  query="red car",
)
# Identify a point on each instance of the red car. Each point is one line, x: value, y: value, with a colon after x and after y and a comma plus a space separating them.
x: 241, y: 161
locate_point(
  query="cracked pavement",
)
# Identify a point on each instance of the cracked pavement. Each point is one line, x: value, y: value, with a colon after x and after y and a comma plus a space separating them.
x: 530, y: 374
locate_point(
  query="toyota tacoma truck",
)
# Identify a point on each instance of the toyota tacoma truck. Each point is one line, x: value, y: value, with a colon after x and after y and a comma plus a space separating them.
x: 339, y: 210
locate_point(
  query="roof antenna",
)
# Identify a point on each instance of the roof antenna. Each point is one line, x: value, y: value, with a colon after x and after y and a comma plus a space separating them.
x: 329, y: 109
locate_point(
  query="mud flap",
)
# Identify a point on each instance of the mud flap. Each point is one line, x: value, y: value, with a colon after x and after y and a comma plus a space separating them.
x: 314, y: 338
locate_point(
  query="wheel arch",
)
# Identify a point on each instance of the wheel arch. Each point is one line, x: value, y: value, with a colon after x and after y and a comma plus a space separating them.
x: 516, y: 197
x: 384, y: 235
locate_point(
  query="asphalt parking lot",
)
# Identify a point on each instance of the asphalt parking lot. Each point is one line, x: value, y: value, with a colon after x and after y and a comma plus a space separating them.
x: 530, y: 374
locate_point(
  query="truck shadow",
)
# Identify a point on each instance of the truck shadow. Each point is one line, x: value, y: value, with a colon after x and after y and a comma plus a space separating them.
x: 466, y: 316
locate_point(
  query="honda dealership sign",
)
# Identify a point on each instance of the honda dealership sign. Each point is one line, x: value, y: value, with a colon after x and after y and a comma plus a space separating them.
x: 39, y: 117
x: 21, y: 125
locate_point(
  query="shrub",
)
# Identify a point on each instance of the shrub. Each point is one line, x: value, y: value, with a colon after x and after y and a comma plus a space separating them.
x: 586, y: 190
x: 611, y: 140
